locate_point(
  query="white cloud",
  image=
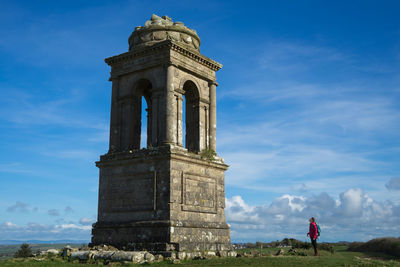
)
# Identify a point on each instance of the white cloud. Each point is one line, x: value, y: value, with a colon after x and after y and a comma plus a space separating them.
x: 86, y: 221
x: 239, y: 211
x: 352, y: 201
x: 9, y: 225
x: 74, y: 226
x: 36, y: 231
x: 287, y: 216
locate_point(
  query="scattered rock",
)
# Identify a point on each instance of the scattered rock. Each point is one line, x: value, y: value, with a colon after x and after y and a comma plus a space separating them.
x: 233, y: 254
x: 137, y: 256
x: 181, y: 255
x: 159, y: 257
x: 122, y: 256
x: 51, y: 251
x: 108, y: 254
x: 210, y: 254
x: 222, y: 254
x: 103, y: 255
x: 66, y: 252
x: 280, y: 252
x: 81, y: 255
x: 149, y: 257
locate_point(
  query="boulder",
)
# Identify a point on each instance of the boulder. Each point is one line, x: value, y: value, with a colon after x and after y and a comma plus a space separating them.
x: 181, y: 255
x: 137, y: 256
x: 149, y: 257
x: 232, y: 254
x: 51, y: 251
x: 122, y: 256
x: 66, y: 252
x: 209, y: 254
x: 159, y: 257
x: 103, y: 255
x: 81, y: 255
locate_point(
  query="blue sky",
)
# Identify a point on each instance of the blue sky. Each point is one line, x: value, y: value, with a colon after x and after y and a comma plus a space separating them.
x: 308, y: 112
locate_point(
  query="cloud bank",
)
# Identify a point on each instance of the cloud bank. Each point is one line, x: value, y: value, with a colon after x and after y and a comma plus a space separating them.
x: 353, y: 215
x: 36, y: 231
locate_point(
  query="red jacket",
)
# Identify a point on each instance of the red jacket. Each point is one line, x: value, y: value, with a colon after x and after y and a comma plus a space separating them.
x: 313, y: 232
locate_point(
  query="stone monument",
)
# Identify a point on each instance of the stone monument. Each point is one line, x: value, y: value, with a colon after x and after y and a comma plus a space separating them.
x: 170, y: 196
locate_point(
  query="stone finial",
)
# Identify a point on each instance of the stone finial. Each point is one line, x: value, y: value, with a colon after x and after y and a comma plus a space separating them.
x: 156, y: 20
x: 159, y: 29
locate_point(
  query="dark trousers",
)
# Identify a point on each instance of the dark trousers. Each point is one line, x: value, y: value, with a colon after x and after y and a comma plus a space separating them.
x: 314, y: 244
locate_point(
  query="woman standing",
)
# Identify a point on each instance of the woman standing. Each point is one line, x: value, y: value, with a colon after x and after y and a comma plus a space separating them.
x: 313, y: 234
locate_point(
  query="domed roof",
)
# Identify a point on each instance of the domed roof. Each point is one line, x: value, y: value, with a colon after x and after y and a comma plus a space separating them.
x: 159, y: 29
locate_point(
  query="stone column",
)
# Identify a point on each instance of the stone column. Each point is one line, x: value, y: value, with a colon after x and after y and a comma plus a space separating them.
x: 206, y: 128
x: 170, y: 110
x: 149, y: 126
x: 179, y: 122
x: 213, y: 115
x: 135, y: 122
x: 155, y: 119
x: 114, y: 121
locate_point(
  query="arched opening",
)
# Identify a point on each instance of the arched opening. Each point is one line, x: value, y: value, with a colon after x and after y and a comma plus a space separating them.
x: 190, y: 117
x: 144, y: 124
x: 141, y: 114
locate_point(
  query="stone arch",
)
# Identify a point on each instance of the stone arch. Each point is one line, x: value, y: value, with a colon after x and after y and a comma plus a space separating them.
x: 189, y: 78
x: 191, y: 94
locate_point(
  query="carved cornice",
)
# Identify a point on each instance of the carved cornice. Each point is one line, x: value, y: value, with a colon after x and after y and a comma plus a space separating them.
x: 197, y: 57
x: 205, y: 61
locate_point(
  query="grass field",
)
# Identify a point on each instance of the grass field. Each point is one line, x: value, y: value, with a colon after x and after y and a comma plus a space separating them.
x: 341, y: 257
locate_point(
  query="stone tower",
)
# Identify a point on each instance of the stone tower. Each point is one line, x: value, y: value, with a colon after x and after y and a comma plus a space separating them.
x: 168, y: 196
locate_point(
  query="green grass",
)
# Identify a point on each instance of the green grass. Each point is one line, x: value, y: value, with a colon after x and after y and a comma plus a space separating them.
x: 341, y: 257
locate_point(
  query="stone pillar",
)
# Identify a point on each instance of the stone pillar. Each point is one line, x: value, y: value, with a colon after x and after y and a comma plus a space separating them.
x: 206, y: 128
x: 170, y: 110
x: 213, y: 115
x: 179, y: 122
x: 155, y: 119
x: 135, y: 122
x: 114, y: 121
x: 149, y: 126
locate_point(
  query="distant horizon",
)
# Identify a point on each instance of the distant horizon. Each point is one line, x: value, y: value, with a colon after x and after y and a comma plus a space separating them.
x: 72, y: 241
x: 308, y: 112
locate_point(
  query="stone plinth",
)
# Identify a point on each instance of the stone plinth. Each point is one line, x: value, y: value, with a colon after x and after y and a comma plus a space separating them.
x: 161, y: 200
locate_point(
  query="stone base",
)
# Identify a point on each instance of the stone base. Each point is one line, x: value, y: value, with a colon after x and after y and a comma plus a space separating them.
x: 161, y: 200
x: 158, y: 237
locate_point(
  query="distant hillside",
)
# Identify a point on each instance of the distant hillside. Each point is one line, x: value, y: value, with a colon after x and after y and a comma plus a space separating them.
x: 62, y: 241
x: 388, y: 245
x: 7, y: 251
